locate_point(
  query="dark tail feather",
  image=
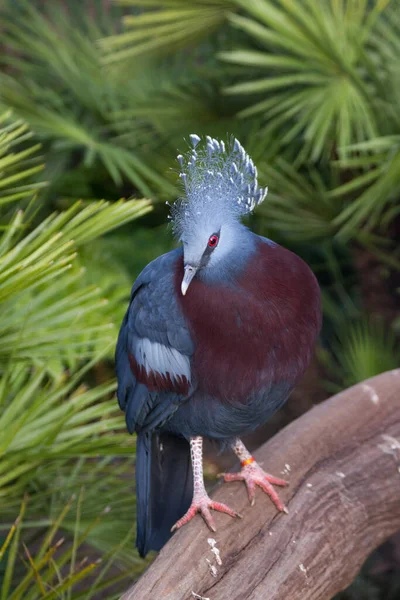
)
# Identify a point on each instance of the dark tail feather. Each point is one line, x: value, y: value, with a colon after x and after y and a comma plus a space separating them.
x: 164, y: 487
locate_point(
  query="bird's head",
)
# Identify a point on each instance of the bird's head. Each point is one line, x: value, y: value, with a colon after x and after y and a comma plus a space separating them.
x: 220, y: 186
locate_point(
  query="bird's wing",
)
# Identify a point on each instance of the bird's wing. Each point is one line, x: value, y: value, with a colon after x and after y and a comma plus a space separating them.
x: 154, y: 348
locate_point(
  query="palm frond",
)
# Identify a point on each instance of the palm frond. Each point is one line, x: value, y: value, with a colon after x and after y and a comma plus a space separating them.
x: 17, y: 163
x: 364, y: 349
x: 313, y: 78
x: 53, y: 78
x: 379, y: 186
x: 57, y: 567
x: 163, y: 26
x: 375, y: 186
x: 57, y: 408
x: 298, y: 203
x: 47, y: 421
x: 45, y: 305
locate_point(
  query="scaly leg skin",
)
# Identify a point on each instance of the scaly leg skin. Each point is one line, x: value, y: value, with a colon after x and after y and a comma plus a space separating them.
x: 201, y: 502
x: 252, y: 474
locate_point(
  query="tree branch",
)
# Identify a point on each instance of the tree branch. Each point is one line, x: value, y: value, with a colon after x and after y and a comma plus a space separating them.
x: 342, y: 460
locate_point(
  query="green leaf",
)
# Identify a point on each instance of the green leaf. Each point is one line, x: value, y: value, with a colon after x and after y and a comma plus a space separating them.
x: 158, y: 26
x: 322, y: 51
x: 364, y: 349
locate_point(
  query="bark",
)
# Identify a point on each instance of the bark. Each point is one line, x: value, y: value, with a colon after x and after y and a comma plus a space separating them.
x: 342, y: 460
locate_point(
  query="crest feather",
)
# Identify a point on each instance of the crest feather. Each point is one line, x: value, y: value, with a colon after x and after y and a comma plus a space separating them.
x: 217, y: 180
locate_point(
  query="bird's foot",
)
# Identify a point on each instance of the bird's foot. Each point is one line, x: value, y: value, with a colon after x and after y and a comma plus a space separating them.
x: 252, y: 474
x: 202, y: 504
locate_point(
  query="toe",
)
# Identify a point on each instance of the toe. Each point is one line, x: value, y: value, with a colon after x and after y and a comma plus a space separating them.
x: 206, y: 514
x: 178, y: 524
x: 231, y: 476
x: 185, y: 519
x: 225, y: 509
x: 268, y: 489
x: 251, y: 491
x: 275, y: 480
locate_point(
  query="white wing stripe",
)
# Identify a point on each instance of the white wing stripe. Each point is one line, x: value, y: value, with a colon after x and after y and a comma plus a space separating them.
x: 161, y: 359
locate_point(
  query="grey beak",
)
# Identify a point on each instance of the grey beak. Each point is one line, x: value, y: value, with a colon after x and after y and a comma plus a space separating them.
x: 189, y: 273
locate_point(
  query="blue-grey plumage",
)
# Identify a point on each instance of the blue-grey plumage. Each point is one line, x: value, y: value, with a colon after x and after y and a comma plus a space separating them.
x: 153, y: 333
x: 216, y: 335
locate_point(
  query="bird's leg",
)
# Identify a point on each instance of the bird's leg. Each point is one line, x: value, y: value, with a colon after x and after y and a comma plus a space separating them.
x: 201, y: 502
x: 252, y: 474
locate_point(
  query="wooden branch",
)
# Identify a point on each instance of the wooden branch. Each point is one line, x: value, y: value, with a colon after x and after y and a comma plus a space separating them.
x: 342, y: 460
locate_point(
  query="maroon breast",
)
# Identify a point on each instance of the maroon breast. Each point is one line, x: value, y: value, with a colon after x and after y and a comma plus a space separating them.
x: 259, y: 330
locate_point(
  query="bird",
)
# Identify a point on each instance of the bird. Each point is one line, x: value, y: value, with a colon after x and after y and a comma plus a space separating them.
x: 217, y: 333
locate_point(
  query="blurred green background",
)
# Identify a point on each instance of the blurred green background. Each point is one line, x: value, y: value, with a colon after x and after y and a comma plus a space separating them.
x: 96, y: 100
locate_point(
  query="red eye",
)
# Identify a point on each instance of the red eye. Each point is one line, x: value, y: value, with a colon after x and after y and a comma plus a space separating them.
x: 213, y: 241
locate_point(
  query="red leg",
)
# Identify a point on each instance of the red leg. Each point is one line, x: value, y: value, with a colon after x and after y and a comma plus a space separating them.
x: 201, y: 502
x: 253, y: 475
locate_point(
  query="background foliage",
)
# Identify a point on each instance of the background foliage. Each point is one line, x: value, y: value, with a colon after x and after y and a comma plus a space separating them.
x: 95, y: 105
